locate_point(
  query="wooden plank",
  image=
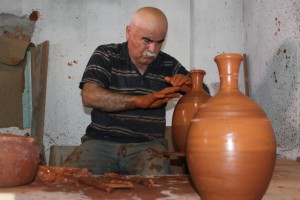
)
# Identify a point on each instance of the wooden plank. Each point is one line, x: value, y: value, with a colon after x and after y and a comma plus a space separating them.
x: 246, y: 74
x: 39, y: 83
x: 27, y: 93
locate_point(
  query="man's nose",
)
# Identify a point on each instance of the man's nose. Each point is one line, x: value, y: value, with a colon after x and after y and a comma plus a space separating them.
x: 152, y: 47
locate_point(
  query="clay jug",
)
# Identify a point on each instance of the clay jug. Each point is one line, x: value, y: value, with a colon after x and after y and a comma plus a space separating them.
x: 231, y: 148
x: 186, y: 108
x: 19, y: 160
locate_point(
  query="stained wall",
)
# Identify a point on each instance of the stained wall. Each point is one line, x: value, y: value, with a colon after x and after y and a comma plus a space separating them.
x: 272, y: 41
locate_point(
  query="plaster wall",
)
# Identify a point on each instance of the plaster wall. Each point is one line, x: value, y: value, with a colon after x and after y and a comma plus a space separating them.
x: 217, y: 27
x: 198, y: 31
x: 272, y: 41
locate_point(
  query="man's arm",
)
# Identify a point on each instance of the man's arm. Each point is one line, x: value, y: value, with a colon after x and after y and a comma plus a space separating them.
x: 95, y: 96
x: 184, y: 82
x: 178, y: 80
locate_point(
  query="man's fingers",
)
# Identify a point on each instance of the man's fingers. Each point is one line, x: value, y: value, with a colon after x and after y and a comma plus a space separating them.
x: 174, y: 95
x: 157, y: 99
x: 160, y: 102
x: 168, y: 79
x: 169, y: 90
x: 162, y: 93
x: 184, y: 88
x: 181, y: 81
x: 178, y: 80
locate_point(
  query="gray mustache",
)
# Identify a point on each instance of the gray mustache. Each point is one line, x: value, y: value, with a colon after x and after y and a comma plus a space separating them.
x: 149, y: 54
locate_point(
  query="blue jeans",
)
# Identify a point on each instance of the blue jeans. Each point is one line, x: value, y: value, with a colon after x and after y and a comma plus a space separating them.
x: 101, y: 157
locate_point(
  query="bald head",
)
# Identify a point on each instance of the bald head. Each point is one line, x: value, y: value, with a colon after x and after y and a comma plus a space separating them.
x: 145, y: 35
x: 151, y: 19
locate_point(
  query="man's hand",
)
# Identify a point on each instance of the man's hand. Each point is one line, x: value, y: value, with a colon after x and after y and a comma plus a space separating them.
x: 95, y: 96
x: 157, y: 99
x: 178, y: 80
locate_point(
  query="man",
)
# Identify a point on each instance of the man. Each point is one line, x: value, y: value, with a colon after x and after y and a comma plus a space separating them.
x: 128, y: 86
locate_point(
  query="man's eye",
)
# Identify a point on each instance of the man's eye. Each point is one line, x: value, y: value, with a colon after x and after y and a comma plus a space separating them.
x: 146, y: 40
x: 160, y: 41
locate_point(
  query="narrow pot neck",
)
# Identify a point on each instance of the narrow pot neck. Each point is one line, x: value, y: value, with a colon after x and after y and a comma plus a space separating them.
x: 228, y: 66
x: 197, y: 76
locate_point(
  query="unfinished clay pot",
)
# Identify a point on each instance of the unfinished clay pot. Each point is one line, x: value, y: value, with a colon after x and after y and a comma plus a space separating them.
x: 186, y: 108
x: 18, y: 160
x: 231, y: 148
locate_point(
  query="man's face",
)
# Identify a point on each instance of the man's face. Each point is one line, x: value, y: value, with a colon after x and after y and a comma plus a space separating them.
x: 144, y: 45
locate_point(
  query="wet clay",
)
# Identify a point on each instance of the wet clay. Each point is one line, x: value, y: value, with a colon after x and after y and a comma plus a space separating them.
x: 231, y: 148
x: 112, y: 185
x: 186, y: 108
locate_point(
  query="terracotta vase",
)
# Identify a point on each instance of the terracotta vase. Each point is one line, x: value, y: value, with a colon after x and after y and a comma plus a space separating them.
x: 231, y: 148
x: 18, y: 160
x: 186, y: 108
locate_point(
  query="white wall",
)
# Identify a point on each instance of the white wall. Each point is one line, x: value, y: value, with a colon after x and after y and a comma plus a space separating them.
x: 272, y: 41
x: 218, y: 27
x: 198, y: 31
x: 215, y: 26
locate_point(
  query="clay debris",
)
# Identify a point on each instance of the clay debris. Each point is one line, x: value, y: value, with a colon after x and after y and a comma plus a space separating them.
x: 76, y: 176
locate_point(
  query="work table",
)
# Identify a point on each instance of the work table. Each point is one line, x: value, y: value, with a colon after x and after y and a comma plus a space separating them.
x: 285, y: 185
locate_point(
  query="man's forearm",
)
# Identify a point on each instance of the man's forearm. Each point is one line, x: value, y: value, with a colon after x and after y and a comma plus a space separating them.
x: 95, y: 96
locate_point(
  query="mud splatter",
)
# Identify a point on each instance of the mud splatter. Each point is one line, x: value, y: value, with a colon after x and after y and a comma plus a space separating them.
x: 35, y: 15
x: 277, y: 24
x: 70, y: 64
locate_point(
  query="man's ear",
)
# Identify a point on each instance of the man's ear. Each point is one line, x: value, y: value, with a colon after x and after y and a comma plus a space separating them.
x: 127, y: 31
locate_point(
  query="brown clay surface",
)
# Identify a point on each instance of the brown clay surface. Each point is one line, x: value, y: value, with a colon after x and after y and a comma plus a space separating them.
x: 230, y: 148
x: 66, y: 183
x: 186, y: 108
x: 285, y: 185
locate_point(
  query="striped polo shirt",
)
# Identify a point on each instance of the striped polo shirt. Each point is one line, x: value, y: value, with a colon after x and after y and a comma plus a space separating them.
x: 110, y: 67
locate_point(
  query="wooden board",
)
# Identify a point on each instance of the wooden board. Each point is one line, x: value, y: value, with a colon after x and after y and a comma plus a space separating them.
x: 39, y: 83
